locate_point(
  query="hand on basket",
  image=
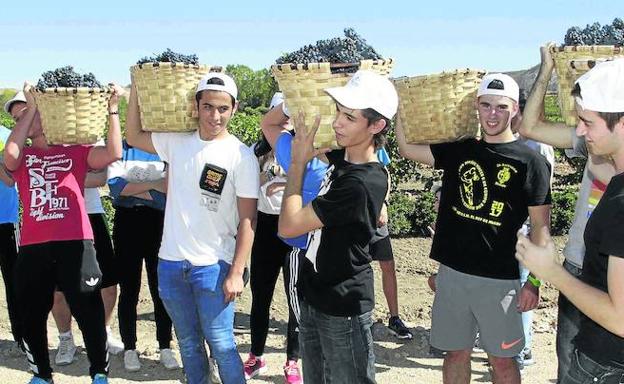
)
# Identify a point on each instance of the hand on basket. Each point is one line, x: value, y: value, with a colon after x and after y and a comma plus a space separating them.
x: 546, y: 55
x: 302, y: 149
x: 28, y: 94
x: 116, y: 92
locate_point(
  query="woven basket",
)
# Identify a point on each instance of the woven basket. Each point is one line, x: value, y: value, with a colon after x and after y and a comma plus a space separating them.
x: 73, y: 115
x: 166, y: 93
x: 303, y: 87
x: 570, y: 63
x: 439, y: 108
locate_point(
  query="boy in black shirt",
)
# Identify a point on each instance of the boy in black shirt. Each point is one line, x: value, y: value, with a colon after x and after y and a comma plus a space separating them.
x: 489, y: 188
x: 337, y: 279
x: 599, y: 294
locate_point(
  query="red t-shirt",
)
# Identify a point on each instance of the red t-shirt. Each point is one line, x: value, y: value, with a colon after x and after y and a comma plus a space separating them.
x: 51, y: 185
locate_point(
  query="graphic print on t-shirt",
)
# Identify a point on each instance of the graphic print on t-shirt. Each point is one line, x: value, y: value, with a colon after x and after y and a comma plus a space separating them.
x: 475, y: 193
x: 595, y: 194
x: 211, y: 182
x: 314, y: 237
x: 43, y: 178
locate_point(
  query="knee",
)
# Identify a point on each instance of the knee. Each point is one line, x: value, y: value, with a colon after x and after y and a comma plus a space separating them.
x: 109, y: 293
x: 501, y: 364
x: 456, y: 357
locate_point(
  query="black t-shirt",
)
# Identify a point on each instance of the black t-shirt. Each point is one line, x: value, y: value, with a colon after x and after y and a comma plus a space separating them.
x: 604, y: 237
x: 340, y: 282
x: 486, y: 191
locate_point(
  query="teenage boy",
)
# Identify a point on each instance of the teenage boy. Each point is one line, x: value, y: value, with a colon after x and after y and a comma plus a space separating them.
x: 209, y: 226
x: 596, y: 175
x: 56, y: 243
x: 337, y: 279
x: 598, y: 356
x: 489, y: 187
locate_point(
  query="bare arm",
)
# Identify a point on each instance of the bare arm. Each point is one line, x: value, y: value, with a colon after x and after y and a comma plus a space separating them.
x: 95, y: 179
x: 101, y: 156
x: 273, y: 124
x: 233, y: 284
x: 13, y: 148
x: 533, y: 124
x: 5, y: 176
x: 135, y: 135
x: 605, y: 308
x: 417, y: 152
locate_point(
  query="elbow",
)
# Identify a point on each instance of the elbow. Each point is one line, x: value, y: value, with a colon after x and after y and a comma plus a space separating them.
x: 285, y: 229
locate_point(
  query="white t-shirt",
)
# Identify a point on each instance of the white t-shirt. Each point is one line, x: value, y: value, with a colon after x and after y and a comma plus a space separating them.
x: 201, y: 223
x: 93, y: 203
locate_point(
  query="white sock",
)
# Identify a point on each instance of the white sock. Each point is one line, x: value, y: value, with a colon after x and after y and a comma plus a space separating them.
x: 66, y: 334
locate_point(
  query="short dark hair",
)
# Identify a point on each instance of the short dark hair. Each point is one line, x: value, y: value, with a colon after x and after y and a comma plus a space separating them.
x: 216, y: 81
x: 379, y: 139
x: 610, y: 118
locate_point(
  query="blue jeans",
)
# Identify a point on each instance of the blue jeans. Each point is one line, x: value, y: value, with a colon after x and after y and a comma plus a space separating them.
x: 584, y: 370
x: 568, y: 322
x: 193, y: 297
x: 336, y: 350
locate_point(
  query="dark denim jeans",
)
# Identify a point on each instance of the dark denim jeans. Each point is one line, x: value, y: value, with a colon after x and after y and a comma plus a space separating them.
x: 568, y: 322
x: 193, y: 297
x: 584, y: 370
x: 336, y: 350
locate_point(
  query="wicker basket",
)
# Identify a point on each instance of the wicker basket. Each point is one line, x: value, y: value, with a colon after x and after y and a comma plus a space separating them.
x: 303, y: 87
x: 570, y: 63
x: 73, y: 115
x: 439, y: 108
x: 166, y: 93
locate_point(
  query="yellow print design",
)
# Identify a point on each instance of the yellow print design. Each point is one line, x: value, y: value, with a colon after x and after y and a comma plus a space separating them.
x: 504, y: 174
x: 473, y: 188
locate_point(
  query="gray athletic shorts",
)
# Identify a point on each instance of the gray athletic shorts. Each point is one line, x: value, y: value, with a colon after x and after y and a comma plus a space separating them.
x: 465, y: 303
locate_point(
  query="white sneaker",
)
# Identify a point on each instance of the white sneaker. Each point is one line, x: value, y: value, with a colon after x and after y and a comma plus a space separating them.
x: 131, y: 360
x: 66, y: 350
x: 114, y: 345
x: 168, y: 359
x: 214, y: 371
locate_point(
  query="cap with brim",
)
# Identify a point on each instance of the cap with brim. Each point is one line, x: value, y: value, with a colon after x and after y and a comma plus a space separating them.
x: 499, y: 84
x: 229, y: 86
x: 602, y: 87
x: 19, y: 96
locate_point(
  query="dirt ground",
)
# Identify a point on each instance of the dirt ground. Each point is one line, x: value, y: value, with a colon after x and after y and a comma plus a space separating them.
x: 396, y: 361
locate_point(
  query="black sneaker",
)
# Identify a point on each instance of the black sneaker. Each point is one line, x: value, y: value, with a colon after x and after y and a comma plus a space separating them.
x: 398, y: 329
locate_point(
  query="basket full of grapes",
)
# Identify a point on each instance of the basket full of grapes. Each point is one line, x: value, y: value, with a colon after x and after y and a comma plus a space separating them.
x: 165, y: 86
x: 439, y: 108
x: 304, y: 74
x: 583, y: 48
x: 73, y: 107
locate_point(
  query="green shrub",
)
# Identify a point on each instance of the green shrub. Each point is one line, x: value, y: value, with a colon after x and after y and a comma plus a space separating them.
x: 424, y: 214
x: 562, y: 212
x: 109, y: 211
x: 400, y: 212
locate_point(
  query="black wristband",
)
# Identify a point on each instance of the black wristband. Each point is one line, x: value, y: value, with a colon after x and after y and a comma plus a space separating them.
x: 113, y: 112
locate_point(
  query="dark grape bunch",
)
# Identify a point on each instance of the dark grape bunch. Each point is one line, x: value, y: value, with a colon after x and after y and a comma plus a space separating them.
x: 595, y: 34
x: 348, y: 49
x: 170, y: 57
x: 67, y: 77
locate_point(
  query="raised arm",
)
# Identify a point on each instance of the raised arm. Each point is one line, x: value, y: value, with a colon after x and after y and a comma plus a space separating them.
x: 533, y: 124
x: 16, y: 140
x: 135, y: 135
x: 417, y: 152
x: 274, y: 123
x: 101, y: 156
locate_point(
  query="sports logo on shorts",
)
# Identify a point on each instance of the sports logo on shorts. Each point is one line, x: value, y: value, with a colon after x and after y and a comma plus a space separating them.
x: 92, y: 281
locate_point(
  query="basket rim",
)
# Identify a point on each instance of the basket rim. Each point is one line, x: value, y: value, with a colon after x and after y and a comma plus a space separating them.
x: 73, y: 90
x: 575, y: 48
x: 388, y: 60
x: 172, y: 65
x: 459, y: 71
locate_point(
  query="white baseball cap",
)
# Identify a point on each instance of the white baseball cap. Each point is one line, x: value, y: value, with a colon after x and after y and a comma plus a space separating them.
x: 19, y: 96
x: 229, y: 86
x: 499, y: 84
x: 278, y: 98
x: 602, y: 87
x: 367, y: 89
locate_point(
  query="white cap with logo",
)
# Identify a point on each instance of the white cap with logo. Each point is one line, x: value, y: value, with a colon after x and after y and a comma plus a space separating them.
x: 19, y: 96
x: 499, y: 84
x: 602, y: 87
x: 208, y: 84
x: 367, y: 89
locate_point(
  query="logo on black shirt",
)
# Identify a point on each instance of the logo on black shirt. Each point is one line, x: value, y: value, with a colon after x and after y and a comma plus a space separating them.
x: 473, y: 189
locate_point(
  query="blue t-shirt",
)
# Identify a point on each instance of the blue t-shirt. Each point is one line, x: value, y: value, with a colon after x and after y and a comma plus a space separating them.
x: 8, y: 195
x: 312, y: 178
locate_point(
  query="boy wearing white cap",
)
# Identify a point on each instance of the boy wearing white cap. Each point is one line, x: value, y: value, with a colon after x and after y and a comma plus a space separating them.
x: 596, y: 176
x: 598, y: 356
x: 337, y: 280
x: 489, y: 188
x: 209, y: 225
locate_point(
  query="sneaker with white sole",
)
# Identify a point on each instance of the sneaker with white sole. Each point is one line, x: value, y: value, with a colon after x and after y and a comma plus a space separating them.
x: 292, y: 373
x: 254, y: 366
x: 66, y: 350
x: 214, y: 371
x: 398, y: 328
x: 114, y: 345
x: 131, y: 360
x: 100, y: 378
x: 168, y: 359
